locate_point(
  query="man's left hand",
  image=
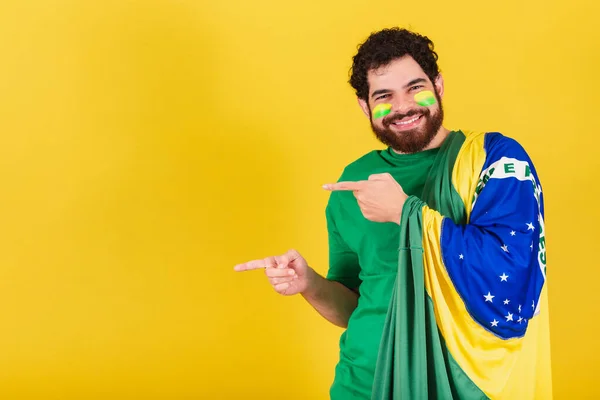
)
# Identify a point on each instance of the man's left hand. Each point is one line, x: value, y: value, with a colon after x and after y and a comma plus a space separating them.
x: 380, y: 198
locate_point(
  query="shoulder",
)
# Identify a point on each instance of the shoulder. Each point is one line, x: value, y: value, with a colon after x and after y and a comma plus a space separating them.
x: 492, y: 148
x: 506, y: 162
x: 492, y: 156
x: 498, y: 145
x: 506, y: 156
x: 492, y: 143
x: 507, y: 174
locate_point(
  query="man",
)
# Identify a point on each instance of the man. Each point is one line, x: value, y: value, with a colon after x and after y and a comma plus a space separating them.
x: 437, y: 248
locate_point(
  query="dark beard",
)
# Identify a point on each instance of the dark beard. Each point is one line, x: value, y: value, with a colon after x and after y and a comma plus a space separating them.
x: 414, y: 140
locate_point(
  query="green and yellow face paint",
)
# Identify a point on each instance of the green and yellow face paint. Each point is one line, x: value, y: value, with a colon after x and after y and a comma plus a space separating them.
x: 425, y: 98
x: 381, y: 110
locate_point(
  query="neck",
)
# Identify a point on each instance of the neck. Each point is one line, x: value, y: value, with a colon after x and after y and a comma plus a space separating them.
x: 436, y: 142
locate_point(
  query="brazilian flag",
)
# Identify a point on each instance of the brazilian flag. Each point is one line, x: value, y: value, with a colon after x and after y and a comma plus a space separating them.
x: 468, y: 316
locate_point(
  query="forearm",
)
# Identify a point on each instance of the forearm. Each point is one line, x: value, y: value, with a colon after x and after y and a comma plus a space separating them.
x: 334, y: 301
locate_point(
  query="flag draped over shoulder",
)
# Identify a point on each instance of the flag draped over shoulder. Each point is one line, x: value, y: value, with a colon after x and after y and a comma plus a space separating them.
x: 468, y: 316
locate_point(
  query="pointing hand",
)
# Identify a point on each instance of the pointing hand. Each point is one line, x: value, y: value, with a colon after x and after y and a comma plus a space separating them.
x: 380, y: 198
x: 288, y: 273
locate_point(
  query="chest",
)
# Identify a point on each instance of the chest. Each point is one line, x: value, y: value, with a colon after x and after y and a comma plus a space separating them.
x: 375, y: 243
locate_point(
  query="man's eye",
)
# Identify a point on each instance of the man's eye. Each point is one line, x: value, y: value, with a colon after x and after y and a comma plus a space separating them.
x: 417, y: 87
x: 382, y: 97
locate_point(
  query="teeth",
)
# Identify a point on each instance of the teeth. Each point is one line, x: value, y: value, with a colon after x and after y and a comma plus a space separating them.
x: 410, y: 121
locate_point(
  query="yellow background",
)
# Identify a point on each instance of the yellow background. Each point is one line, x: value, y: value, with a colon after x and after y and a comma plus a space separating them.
x: 148, y: 146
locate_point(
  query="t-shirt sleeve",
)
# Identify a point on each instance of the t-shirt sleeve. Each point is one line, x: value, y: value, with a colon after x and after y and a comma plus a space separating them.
x: 343, y: 262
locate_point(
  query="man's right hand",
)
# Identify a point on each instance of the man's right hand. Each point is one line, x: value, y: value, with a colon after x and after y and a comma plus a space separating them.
x: 288, y: 273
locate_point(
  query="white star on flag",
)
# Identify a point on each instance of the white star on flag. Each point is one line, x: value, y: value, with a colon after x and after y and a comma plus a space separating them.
x: 533, y: 305
x: 519, y: 308
x: 520, y: 319
x: 489, y: 297
x: 494, y: 322
x: 461, y: 256
x: 505, y: 248
x: 530, y: 226
x: 503, y: 277
x: 506, y: 301
x: 513, y: 233
x: 509, y: 317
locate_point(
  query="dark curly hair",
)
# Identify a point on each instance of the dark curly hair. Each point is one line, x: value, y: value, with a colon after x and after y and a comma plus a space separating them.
x: 383, y: 47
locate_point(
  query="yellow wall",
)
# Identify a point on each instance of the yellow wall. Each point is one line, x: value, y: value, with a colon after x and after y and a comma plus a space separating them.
x: 148, y: 146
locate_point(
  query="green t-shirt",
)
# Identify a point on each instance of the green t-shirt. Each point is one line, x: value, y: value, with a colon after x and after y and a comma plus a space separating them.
x: 364, y: 253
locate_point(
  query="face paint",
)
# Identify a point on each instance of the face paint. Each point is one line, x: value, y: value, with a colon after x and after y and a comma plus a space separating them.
x: 381, y: 110
x: 425, y: 98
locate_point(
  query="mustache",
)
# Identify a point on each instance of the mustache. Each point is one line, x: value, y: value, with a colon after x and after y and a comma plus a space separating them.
x: 391, y: 118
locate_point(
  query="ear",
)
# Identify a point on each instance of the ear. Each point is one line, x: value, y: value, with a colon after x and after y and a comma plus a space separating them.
x: 439, y: 85
x: 365, y: 107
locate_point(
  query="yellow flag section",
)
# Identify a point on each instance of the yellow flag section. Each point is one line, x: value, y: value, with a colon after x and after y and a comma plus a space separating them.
x: 516, y: 368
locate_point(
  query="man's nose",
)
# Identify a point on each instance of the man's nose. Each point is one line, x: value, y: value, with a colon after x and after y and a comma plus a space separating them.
x: 402, y: 105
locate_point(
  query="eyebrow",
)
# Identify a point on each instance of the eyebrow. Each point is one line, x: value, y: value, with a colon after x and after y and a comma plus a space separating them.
x: 413, y: 82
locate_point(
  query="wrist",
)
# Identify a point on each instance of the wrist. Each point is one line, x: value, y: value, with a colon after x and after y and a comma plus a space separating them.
x: 396, y: 216
x: 311, y: 283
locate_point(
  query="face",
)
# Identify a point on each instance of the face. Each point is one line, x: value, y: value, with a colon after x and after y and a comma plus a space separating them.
x: 409, y: 127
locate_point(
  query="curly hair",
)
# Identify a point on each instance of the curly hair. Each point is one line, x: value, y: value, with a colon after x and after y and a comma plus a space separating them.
x: 383, y: 47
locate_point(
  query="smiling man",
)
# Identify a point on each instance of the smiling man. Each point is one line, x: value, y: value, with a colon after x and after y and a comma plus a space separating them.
x: 437, y: 256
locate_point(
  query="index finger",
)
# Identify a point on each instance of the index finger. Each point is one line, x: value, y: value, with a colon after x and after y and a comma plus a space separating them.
x: 254, y: 264
x: 350, y: 186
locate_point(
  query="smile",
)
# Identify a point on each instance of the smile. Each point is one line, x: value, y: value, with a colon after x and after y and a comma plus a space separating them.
x: 407, y: 124
x: 408, y: 121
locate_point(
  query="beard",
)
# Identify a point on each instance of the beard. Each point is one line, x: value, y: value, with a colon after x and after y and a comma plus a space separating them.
x: 414, y: 140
